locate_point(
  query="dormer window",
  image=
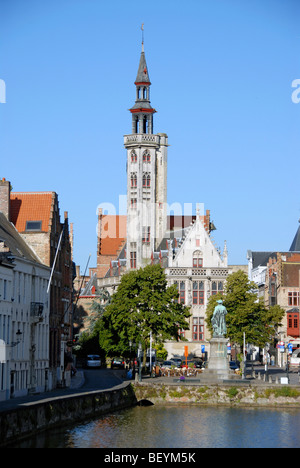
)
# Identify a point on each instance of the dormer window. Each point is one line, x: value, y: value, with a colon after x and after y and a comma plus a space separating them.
x: 33, y: 226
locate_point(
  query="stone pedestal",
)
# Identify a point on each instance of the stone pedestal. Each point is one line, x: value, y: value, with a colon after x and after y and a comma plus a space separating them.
x: 218, y: 365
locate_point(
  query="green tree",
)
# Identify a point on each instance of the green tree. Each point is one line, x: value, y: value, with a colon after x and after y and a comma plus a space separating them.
x: 142, y: 304
x: 98, y: 306
x: 246, y: 313
x: 87, y: 340
x: 161, y: 352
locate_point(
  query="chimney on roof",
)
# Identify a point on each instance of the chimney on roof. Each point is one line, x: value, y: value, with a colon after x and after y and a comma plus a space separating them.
x: 5, y: 189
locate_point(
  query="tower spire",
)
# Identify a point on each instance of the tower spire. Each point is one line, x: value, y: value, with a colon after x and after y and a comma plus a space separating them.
x: 146, y: 176
x: 142, y: 112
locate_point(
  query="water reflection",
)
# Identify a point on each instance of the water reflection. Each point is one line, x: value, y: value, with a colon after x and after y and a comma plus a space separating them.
x: 181, y: 426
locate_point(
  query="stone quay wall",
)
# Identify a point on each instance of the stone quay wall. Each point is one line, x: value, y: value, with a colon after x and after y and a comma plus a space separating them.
x: 233, y: 394
x: 32, y: 418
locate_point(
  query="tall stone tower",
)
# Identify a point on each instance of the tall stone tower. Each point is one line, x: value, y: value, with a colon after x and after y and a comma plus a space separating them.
x: 146, y: 176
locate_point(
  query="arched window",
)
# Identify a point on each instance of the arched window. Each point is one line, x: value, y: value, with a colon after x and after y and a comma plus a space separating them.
x: 146, y: 180
x: 133, y: 180
x: 133, y: 157
x: 197, y: 259
x: 147, y: 156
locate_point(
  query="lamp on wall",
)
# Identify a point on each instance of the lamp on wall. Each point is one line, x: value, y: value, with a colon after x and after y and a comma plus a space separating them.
x: 15, y: 343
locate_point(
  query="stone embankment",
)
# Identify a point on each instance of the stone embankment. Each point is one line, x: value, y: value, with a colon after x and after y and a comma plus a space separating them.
x: 29, y: 419
x: 218, y: 394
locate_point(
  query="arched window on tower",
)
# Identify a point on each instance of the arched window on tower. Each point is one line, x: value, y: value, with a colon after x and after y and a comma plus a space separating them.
x: 147, y: 156
x: 133, y: 180
x: 133, y: 156
x: 146, y: 180
x: 145, y: 124
x: 135, y: 124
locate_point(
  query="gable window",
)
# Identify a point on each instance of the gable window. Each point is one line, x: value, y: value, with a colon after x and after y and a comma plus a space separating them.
x: 197, y: 262
x: 33, y: 226
x: 197, y: 259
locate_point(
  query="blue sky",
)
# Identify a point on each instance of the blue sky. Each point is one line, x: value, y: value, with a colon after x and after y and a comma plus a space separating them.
x: 221, y: 73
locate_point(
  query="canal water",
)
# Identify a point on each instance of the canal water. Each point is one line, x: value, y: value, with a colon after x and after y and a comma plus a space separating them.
x: 180, y: 427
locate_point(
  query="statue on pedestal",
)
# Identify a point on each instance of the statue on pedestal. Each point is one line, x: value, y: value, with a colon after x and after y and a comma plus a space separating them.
x: 218, y: 320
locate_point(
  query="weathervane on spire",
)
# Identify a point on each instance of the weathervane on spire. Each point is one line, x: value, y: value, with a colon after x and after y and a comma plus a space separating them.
x: 142, y: 28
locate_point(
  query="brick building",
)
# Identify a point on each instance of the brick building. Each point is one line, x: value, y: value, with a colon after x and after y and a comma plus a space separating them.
x: 37, y: 219
x: 277, y: 275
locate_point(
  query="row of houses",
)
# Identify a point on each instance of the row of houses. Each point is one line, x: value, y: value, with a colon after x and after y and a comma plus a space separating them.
x: 36, y: 292
x: 277, y: 275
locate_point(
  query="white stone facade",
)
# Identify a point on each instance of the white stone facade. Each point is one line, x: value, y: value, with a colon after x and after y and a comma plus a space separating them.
x: 146, y: 195
x: 24, y: 328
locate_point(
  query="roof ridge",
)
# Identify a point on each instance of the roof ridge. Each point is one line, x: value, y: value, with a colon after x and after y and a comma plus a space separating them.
x: 33, y: 193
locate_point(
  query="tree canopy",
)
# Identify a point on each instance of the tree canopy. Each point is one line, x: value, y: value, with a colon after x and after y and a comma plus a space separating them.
x: 246, y: 313
x: 143, y: 303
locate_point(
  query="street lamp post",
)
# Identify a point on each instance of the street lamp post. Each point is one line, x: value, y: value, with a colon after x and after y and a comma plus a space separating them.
x: 140, y: 361
x: 244, y: 353
x: 150, y: 358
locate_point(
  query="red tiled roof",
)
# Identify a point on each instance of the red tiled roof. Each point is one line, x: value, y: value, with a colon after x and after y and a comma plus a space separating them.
x: 31, y: 206
x: 113, y: 234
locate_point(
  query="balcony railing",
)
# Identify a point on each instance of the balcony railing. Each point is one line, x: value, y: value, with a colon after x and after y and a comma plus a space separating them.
x: 215, y: 272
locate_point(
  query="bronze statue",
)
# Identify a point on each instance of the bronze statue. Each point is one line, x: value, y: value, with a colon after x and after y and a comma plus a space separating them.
x: 218, y: 320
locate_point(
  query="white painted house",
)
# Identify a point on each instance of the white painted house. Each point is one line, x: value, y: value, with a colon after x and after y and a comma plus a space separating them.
x: 24, y: 316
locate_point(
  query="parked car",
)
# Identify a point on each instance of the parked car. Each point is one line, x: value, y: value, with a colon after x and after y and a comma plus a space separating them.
x: 93, y: 360
x: 168, y: 364
x: 198, y: 364
x: 295, y: 358
x: 117, y: 363
x: 177, y: 361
